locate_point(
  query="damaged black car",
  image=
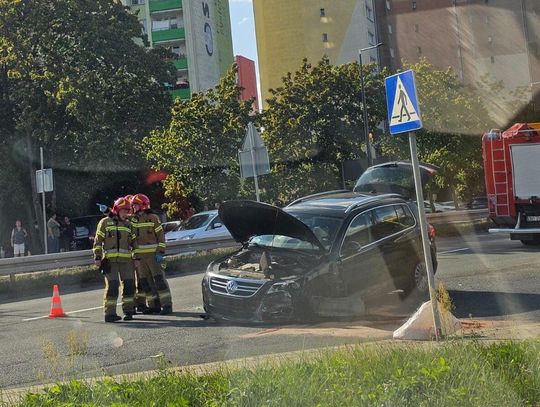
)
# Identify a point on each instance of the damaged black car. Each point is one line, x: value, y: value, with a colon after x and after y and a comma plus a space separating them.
x: 321, y: 256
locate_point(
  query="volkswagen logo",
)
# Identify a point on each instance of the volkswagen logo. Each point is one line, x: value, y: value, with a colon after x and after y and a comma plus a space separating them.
x: 231, y: 287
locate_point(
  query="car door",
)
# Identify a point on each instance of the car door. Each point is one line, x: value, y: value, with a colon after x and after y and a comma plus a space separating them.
x: 394, y: 233
x: 360, y: 257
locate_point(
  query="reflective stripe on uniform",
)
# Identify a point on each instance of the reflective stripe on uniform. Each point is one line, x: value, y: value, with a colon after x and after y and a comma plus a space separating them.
x: 100, y: 233
x: 112, y: 255
x: 158, y: 229
x: 144, y: 251
x: 118, y: 228
x: 143, y: 224
x: 162, y: 245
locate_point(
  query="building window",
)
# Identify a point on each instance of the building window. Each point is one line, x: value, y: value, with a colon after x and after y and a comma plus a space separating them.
x: 137, y: 2
x: 390, y: 28
x: 416, y: 28
x: 388, y: 4
x: 419, y: 50
x: 392, y: 52
x: 414, y: 5
x: 371, y: 38
x: 369, y: 13
x: 323, y: 12
x: 325, y: 37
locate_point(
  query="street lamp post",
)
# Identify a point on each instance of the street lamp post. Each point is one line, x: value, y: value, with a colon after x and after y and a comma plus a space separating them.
x: 364, y: 107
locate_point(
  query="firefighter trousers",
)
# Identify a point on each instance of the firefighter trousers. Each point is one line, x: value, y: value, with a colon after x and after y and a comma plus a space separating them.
x: 152, y: 281
x: 120, y: 272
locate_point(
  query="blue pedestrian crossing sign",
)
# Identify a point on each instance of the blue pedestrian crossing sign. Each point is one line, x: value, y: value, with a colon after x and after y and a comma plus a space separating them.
x: 402, y: 103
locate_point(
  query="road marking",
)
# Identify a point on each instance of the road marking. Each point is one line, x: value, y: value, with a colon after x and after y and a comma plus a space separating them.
x: 67, y: 313
x: 455, y: 250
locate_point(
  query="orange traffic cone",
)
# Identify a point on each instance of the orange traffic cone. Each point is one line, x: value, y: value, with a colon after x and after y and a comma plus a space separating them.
x: 56, y: 304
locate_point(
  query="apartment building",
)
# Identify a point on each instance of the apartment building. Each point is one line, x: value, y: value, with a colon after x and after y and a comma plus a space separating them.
x: 198, y: 33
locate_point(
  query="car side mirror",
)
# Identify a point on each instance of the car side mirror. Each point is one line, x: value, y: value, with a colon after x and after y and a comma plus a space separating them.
x: 350, y: 247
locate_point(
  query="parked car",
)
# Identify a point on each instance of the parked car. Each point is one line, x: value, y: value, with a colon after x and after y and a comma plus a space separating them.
x: 85, y: 230
x: 320, y: 256
x: 201, y: 225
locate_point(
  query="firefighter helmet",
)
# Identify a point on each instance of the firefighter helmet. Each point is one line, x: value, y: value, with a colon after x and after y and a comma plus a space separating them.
x: 119, y: 204
x: 142, y: 201
x: 129, y: 198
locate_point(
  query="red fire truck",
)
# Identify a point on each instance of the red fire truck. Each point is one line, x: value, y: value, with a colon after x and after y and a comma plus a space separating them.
x: 512, y: 173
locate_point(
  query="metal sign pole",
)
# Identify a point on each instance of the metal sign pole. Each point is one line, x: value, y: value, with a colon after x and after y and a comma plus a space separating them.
x: 43, y: 202
x: 425, y: 237
x: 251, y: 130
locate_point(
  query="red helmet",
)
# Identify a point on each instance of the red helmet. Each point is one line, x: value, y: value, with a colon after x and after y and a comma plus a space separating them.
x: 129, y: 198
x: 119, y: 204
x: 141, y: 200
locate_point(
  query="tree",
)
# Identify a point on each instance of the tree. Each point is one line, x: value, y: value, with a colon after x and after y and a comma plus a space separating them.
x: 73, y: 80
x: 454, y: 119
x: 314, y: 122
x: 199, y: 149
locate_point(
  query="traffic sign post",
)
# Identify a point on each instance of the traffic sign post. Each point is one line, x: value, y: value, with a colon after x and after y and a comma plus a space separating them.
x: 404, y: 116
x: 253, y: 157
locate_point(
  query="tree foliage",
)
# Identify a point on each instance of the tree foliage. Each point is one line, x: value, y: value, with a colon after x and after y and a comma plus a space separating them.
x: 73, y: 80
x: 199, y: 148
x: 314, y: 122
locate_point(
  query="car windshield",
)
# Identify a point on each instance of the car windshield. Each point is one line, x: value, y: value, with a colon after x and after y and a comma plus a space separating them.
x: 324, y: 228
x: 195, y: 222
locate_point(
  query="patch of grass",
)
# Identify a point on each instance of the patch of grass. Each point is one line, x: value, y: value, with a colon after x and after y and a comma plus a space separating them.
x: 42, y: 281
x: 456, y: 373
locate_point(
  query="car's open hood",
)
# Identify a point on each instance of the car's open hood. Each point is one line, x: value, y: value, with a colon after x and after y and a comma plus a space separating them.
x: 394, y: 177
x: 246, y: 219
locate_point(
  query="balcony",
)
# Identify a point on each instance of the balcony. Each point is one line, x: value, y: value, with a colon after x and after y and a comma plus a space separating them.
x: 183, y: 94
x: 168, y: 35
x: 164, y: 5
x: 180, y: 63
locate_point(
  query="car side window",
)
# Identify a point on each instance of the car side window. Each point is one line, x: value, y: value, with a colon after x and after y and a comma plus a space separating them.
x: 216, y: 221
x: 386, y: 222
x: 359, y: 232
x: 405, y: 217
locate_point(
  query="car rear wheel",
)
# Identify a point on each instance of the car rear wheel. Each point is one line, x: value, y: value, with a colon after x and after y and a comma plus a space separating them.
x: 419, y: 279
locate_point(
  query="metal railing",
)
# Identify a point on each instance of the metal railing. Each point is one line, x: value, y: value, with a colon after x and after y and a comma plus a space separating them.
x: 43, y: 262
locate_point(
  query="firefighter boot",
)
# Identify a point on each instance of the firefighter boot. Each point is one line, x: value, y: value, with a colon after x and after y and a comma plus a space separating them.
x: 166, y: 310
x: 112, y: 318
x: 128, y: 316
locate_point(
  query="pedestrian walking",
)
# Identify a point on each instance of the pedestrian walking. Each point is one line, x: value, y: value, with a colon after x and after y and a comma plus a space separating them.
x: 53, y: 234
x: 114, y: 256
x: 18, y: 239
x: 150, y: 250
x: 67, y: 234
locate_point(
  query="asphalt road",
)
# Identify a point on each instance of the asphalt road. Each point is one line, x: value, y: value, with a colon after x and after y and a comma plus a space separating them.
x: 488, y: 277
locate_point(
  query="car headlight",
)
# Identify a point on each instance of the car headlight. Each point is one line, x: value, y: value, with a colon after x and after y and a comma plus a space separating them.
x: 187, y: 237
x: 283, y: 286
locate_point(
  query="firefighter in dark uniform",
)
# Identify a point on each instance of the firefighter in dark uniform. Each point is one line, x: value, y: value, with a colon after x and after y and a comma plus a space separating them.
x: 150, y: 250
x: 114, y: 245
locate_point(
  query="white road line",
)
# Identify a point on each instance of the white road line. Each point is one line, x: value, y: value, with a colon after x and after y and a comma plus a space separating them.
x: 67, y: 313
x: 455, y: 250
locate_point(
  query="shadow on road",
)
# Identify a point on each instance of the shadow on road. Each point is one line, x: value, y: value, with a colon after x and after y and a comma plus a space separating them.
x: 492, y: 304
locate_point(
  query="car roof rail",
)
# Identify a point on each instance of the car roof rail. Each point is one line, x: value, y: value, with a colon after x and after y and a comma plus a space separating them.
x: 319, y: 195
x: 370, y: 199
